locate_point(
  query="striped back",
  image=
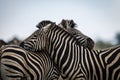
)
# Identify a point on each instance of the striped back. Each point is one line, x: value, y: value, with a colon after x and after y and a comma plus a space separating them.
x: 19, y: 64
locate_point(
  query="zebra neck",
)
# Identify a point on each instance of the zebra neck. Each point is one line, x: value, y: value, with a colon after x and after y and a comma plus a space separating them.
x: 62, y: 47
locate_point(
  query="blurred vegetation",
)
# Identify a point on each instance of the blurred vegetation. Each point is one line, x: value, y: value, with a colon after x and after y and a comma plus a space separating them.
x: 118, y: 38
x: 100, y: 44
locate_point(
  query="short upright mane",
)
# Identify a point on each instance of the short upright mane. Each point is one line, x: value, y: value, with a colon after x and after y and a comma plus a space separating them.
x: 43, y: 23
x: 69, y: 23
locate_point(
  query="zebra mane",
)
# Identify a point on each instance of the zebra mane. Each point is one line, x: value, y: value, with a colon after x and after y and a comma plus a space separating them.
x: 43, y: 23
x: 63, y: 30
x: 66, y: 23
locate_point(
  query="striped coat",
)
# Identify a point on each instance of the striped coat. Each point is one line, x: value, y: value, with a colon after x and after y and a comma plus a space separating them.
x: 19, y: 64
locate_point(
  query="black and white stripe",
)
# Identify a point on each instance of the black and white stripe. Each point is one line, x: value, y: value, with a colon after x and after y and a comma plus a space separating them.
x: 69, y: 26
x: 19, y: 64
x: 73, y: 60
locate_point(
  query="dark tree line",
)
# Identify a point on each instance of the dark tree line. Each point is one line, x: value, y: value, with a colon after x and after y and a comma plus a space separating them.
x: 118, y: 38
x: 100, y: 44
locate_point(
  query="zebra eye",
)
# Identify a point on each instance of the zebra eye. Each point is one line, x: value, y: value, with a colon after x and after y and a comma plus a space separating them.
x: 26, y: 47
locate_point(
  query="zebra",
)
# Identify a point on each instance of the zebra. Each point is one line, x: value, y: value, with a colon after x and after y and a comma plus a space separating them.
x: 83, y: 39
x: 74, y: 61
x: 69, y: 25
x: 17, y: 63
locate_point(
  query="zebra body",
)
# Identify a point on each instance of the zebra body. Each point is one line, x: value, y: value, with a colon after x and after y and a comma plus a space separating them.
x: 73, y: 60
x: 19, y: 64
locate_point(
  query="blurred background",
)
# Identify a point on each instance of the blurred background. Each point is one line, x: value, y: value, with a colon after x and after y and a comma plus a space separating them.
x: 98, y: 19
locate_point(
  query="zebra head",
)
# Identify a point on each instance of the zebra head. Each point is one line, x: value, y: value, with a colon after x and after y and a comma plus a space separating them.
x: 69, y: 26
x: 38, y: 40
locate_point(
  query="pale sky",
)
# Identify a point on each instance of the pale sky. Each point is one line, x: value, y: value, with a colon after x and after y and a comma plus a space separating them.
x: 99, y: 19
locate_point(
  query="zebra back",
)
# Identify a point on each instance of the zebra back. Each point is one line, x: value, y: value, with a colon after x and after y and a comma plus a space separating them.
x: 18, y: 64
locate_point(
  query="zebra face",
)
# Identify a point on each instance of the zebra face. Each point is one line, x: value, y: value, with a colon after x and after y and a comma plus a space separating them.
x: 38, y: 40
x: 35, y: 42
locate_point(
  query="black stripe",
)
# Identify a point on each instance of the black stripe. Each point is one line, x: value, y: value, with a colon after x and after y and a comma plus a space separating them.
x: 15, y: 59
